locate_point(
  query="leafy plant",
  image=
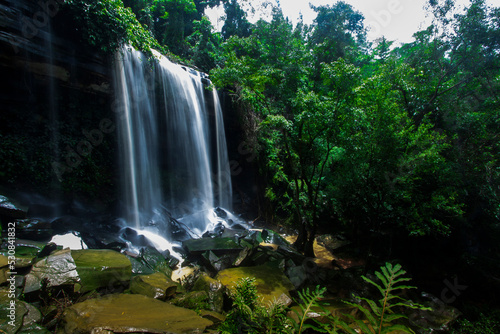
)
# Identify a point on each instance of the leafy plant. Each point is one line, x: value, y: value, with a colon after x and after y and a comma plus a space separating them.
x: 248, y: 315
x: 382, y: 314
x: 309, y: 299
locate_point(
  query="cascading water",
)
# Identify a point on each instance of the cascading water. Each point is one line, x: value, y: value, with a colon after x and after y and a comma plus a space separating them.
x: 166, y: 131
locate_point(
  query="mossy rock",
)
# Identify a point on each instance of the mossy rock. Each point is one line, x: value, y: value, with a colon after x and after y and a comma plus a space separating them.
x: 156, y: 285
x: 271, y: 282
x: 123, y: 313
x: 195, y: 300
x: 214, y: 290
x: 199, y: 246
x: 99, y: 268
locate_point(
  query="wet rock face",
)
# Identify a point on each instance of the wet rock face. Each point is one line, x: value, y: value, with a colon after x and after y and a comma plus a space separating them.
x: 130, y: 314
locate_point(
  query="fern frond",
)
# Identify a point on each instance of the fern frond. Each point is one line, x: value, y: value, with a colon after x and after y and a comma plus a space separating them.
x: 366, y: 312
x: 310, y: 299
x: 382, y: 290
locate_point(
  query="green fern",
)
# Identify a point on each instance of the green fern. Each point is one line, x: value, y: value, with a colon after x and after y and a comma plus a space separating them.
x: 248, y: 315
x: 381, y: 314
x: 309, y: 300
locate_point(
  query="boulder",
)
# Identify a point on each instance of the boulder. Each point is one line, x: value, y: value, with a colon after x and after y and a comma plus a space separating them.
x: 194, y: 300
x: 56, y: 269
x: 12, y: 312
x: 19, y: 317
x: 213, y: 288
x: 216, y: 245
x: 99, y: 268
x: 122, y: 313
x: 26, y: 253
x: 156, y: 285
x: 139, y: 267
x: 35, y: 229
x: 155, y: 260
x: 271, y: 282
x: 9, y: 210
x: 438, y: 319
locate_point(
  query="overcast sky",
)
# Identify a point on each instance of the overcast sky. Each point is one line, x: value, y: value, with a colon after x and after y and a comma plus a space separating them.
x: 397, y: 20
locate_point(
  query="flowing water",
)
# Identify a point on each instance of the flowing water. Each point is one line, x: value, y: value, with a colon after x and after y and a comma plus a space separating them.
x: 172, y: 144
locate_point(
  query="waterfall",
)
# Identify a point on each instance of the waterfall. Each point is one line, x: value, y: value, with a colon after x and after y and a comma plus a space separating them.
x: 168, y: 121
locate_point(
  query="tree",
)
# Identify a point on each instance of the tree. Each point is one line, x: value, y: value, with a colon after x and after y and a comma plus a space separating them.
x: 235, y: 22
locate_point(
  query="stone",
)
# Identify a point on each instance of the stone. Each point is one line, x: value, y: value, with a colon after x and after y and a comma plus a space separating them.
x: 156, y: 285
x: 25, y: 255
x: 213, y: 288
x: 57, y: 269
x: 195, y: 300
x: 34, y: 329
x: 100, y: 268
x: 216, y: 245
x: 272, y: 284
x: 220, y: 213
x: 216, y: 263
x: 32, y: 317
x: 35, y: 229
x: 139, y: 267
x: 214, y: 317
x: 331, y: 242
x: 12, y: 312
x: 438, y: 319
x: 155, y: 260
x: 123, y: 313
x: 9, y: 210
x: 297, y: 275
x: 243, y: 256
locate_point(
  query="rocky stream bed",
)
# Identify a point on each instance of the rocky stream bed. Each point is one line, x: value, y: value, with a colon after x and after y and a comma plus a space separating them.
x: 45, y: 288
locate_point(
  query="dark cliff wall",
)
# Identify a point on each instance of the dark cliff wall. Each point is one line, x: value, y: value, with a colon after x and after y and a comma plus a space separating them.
x: 57, y: 134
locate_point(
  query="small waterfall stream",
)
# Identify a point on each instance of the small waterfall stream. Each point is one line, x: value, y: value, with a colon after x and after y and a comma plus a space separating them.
x: 172, y: 144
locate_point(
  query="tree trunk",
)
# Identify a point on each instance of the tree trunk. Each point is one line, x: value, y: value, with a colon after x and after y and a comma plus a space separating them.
x: 305, y: 240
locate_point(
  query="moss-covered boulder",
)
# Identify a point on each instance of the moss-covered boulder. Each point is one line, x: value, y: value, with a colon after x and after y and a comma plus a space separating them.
x: 194, y: 300
x: 156, y: 285
x: 216, y: 245
x: 214, y: 290
x: 4, y: 269
x: 271, y: 282
x: 99, y: 268
x: 124, y: 313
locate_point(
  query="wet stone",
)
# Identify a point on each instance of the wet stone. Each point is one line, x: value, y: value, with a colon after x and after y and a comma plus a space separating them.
x: 199, y: 246
x: 122, y: 313
x: 56, y: 269
x: 156, y: 285
x: 99, y: 268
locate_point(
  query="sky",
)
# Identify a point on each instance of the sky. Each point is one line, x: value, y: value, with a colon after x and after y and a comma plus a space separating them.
x: 397, y: 20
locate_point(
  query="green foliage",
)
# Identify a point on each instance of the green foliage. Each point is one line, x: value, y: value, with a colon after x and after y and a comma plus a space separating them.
x: 383, y: 313
x: 309, y: 300
x: 108, y: 24
x: 485, y: 324
x: 248, y: 315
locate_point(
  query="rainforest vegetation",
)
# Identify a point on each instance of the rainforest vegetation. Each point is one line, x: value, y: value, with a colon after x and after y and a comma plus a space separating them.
x: 349, y: 133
